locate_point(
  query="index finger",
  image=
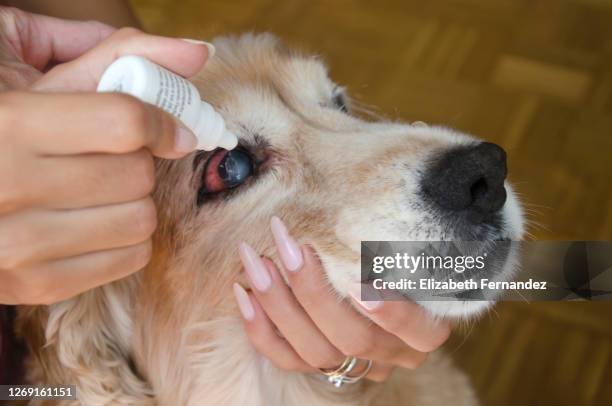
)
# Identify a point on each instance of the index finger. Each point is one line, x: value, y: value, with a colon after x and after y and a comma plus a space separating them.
x: 406, y: 320
x: 366, y: 340
x: 185, y: 58
x: 77, y: 123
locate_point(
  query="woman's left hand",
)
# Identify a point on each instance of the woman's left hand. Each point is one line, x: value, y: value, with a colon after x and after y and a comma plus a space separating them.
x: 319, y: 330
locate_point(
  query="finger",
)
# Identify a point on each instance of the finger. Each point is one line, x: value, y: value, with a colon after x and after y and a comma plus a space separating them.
x: 380, y: 372
x: 406, y: 320
x: 37, y: 235
x: 74, y: 123
x: 333, y: 317
x: 40, y: 40
x: 263, y: 336
x: 283, y: 309
x: 62, y: 279
x: 366, y: 340
x: 78, y: 181
x: 185, y: 58
x: 311, y: 287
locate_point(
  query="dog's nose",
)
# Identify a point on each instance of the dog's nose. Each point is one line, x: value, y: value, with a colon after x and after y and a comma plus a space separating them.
x: 469, y: 178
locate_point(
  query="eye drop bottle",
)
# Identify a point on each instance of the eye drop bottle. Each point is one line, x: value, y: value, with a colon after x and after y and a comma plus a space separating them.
x: 153, y: 84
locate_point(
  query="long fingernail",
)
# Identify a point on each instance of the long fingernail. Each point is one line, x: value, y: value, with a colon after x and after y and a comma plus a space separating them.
x: 256, y: 269
x: 244, y: 302
x: 288, y: 249
x: 185, y: 140
x: 356, y: 294
x: 211, y: 47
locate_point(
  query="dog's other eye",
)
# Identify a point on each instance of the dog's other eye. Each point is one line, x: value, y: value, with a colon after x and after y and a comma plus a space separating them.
x: 226, y: 170
x: 339, y: 99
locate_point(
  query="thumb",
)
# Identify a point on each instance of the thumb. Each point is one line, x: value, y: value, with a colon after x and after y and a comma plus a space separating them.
x: 183, y: 57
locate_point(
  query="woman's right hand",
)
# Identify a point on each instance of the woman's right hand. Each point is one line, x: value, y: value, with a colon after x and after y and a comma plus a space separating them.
x: 77, y: 172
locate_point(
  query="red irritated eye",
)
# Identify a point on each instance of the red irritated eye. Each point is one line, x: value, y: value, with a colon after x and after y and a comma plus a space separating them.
x: 225, y: 170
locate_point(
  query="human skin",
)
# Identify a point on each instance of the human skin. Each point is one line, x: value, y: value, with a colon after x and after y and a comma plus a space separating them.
x: 76, y: 202
x: 318, y: 329
x: 87, y: 191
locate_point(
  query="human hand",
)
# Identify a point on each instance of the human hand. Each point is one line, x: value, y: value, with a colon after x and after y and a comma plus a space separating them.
x: 75, y: 210
x: 318, y: 330
x: 31, y: 43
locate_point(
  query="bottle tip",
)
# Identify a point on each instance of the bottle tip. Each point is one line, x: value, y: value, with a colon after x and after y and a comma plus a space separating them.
x: 228, y: 140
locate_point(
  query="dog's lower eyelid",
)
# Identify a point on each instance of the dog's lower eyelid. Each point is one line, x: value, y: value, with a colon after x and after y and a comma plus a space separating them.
x: 222, y: 172
x: 200, y: 157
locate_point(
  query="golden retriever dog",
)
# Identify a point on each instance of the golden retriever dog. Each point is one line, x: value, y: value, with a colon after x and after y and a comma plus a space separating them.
x: 172, y: 333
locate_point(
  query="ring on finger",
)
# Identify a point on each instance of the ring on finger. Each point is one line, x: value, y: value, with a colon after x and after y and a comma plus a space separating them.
x: 347, y: 366
x: 340, y: 375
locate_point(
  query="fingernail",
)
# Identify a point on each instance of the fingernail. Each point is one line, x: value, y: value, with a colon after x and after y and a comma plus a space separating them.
x: 369, y: 305
x: 256, y: 269
x: 244, y: 302
x: 185, y: 140
x: 288, y: 249
x: 211, y: 47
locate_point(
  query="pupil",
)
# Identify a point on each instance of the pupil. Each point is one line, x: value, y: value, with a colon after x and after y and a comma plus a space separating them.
x: 235, y: 168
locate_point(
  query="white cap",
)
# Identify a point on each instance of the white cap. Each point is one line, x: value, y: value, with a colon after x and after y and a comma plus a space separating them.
x: 211, y: 132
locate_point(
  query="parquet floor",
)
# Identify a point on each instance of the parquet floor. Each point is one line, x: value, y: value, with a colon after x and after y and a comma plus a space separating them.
x: 532, y: 75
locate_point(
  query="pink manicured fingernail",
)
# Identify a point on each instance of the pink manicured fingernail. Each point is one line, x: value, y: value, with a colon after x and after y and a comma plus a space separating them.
x: 369, y: 305
x: 256, y: 269
x: 288, y: 249
x: 211, y: 47
x: 244, y: 302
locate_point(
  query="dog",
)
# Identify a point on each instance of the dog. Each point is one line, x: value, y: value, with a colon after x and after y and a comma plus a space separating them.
x: 171, y: 334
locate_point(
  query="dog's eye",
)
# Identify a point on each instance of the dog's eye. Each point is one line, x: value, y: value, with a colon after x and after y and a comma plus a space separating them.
x: 339, y: 99
x: 226, y: 170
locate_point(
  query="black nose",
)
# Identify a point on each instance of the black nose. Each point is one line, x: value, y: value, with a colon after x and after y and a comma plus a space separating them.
x: 468, y: 178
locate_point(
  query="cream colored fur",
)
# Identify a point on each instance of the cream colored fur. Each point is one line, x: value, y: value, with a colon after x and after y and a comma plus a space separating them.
x: 172, y: 335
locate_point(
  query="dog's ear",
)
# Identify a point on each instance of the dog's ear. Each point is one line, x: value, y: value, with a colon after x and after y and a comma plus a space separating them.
x: 86, y: 341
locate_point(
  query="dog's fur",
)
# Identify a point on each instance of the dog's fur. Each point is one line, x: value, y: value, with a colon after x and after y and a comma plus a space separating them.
x: 172, y: 334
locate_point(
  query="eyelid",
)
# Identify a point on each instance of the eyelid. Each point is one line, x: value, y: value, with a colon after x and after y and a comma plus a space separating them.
x: 339, y: 99
x: 198, y: 166
x: 215, y: 160
x: 203, y: 164
x: 338, y: 91
x: 200, y: 157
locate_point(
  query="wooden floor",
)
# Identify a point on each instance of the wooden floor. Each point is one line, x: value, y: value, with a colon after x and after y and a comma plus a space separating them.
x: 532, y: 75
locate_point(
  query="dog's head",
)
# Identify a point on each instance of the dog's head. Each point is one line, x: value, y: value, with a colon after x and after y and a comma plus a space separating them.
x: 334, y: 178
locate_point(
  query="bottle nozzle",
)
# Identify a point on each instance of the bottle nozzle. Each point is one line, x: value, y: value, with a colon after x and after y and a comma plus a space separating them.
x: 211, y: 131
x: 228, y: 140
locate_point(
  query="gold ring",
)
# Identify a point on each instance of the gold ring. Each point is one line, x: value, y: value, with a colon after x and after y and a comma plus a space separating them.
x: 357, y: 378
x: 340, y: 375
x: 347, y: 366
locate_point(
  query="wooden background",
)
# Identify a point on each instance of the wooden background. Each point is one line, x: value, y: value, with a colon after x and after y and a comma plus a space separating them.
x: 532, y: 75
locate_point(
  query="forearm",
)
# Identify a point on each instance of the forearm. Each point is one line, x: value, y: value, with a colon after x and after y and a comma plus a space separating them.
x: 117, y: 13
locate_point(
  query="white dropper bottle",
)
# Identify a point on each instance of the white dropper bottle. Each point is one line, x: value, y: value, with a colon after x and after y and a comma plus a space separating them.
x: 153, y: 84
